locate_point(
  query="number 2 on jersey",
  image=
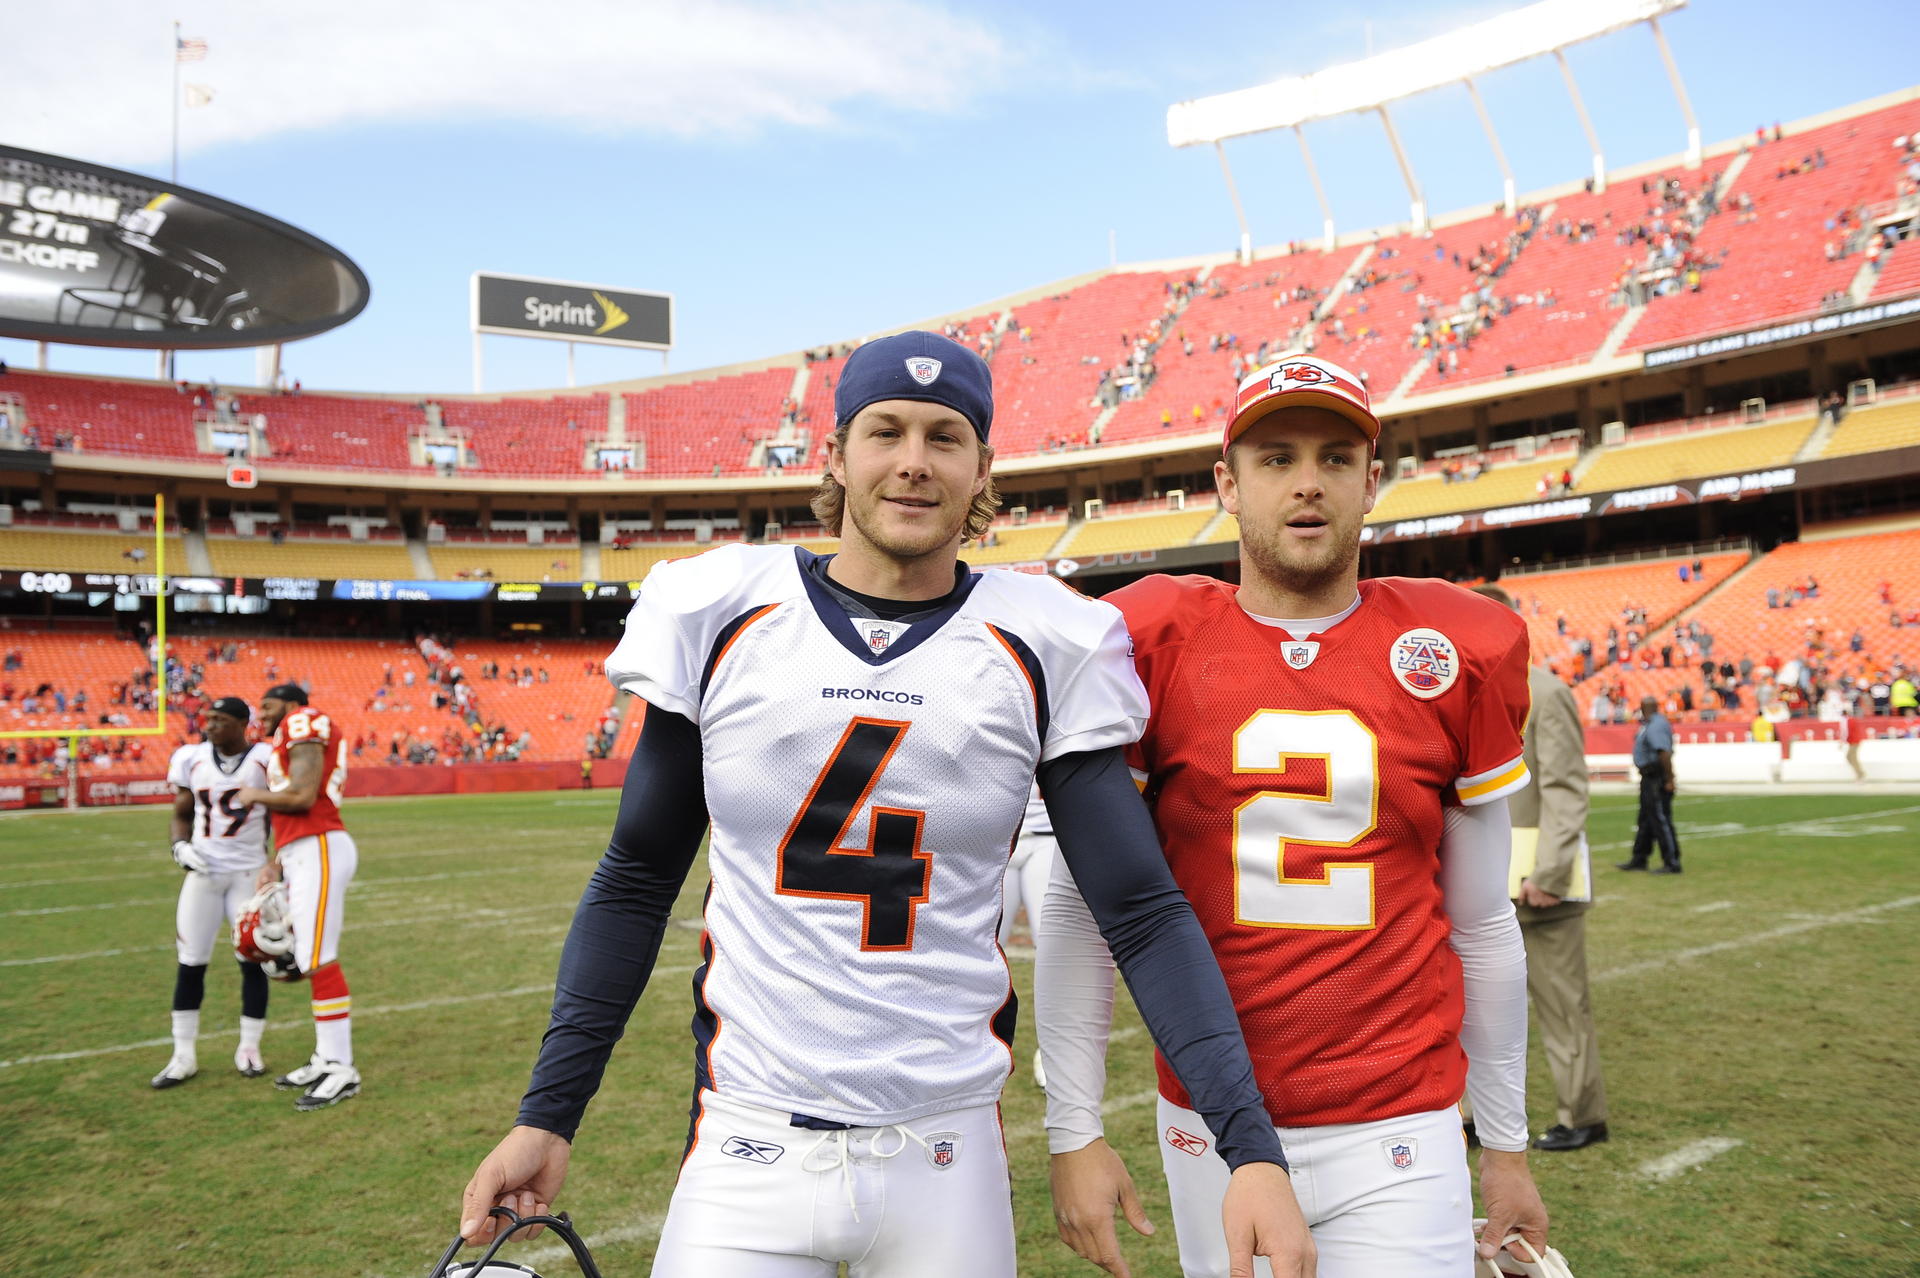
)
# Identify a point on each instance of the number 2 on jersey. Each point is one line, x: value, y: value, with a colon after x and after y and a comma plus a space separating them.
x: 1342, y: 898
x: 889, y: 877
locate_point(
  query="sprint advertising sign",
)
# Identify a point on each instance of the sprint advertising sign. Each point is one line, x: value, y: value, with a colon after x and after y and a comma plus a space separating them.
x: 521, y: 306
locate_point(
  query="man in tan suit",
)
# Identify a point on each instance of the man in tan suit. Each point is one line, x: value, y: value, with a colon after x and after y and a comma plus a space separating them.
x: 1552, y: 904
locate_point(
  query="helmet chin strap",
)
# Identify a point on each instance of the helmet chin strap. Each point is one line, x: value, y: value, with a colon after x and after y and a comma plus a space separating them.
x: 560, y: 1224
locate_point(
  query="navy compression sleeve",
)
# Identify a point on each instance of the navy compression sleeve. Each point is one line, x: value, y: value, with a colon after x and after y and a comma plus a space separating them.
x: 1107, y: 836
x: 622, y: 916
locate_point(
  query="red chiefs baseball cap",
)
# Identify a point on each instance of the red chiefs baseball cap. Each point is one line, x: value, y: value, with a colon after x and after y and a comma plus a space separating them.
x: 1301, y: 381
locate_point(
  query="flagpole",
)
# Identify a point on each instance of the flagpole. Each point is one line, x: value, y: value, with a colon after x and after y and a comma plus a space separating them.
x: 174, y: 173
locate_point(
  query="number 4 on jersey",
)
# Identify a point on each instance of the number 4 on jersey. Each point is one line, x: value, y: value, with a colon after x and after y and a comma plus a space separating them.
x: 889, y: 876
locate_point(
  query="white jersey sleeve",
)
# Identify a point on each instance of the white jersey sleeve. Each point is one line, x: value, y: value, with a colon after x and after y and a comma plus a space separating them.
x: 1094, y: 696
x: 684, y: 609
x: 180, y: 767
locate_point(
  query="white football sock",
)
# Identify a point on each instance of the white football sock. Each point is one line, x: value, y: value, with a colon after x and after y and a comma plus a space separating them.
x: 251, y: 1028
x: 333, y: 1040
x: 186, y: 1028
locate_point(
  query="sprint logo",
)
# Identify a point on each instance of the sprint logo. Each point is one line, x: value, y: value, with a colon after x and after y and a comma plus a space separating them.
x: 615, y: 316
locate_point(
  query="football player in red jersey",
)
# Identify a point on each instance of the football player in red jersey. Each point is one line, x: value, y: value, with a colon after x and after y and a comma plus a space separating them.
x: 1328, y: 762
x: 306, y: 778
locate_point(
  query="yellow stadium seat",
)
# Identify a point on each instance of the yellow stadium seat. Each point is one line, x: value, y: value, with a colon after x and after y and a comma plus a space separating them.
x: 259, y: 557
x: 1876, y: 427
x: 39, y: 548
x: 1506, y: 484
x: 1709, y: 453
x: 1015, y: 545
x: 506, y: 563
x: 1138, y: 532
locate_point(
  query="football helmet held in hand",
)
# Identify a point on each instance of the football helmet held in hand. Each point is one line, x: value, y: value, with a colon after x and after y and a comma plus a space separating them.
x: 488, y: 1267
x: 1507, y: 1265
x: 263, y: 933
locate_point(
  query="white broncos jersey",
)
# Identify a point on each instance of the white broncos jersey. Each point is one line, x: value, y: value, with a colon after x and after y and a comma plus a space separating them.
x: 863, y: 806
x: 229, y: 836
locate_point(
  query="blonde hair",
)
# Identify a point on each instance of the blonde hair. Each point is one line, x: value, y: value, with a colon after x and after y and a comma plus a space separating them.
x: 829, y: 500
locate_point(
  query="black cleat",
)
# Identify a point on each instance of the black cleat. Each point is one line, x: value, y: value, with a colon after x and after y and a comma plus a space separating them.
x: 1631, y: 865
x: 1560, y: 1138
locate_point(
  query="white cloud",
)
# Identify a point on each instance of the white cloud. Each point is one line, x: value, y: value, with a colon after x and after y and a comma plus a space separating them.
x: 92, y: 80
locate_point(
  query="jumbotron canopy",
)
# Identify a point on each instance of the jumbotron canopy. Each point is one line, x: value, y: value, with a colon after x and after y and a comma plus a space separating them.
x: 1374, y: 82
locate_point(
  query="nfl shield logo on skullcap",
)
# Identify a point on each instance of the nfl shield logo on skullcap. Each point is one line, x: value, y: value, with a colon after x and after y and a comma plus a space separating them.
x: 943, y: 1149
x: 1424, y: 662
x: 1400, y: 1152
x: 923, y: 369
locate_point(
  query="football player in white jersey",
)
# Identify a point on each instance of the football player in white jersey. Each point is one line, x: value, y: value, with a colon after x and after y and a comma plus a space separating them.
x: 862, y: 731
x: 221, y: 843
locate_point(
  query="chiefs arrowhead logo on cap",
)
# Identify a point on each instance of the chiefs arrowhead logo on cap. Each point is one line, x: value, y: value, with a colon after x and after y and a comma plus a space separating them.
x: 1297, y: 380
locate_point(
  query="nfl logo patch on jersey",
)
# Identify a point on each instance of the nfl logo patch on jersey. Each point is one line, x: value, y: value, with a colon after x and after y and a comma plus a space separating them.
x: 1425, y: 662
x: 1300, y: 653
x: 1400, y: 1151
x: 1186, y: 1142
x: 943, y: 1149
x: 878, y: 637
x: 923, y: 369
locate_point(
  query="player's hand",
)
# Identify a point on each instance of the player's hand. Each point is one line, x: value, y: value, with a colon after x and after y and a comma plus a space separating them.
x: 1512, y: 1202
x: 1087, y: 1185
x: 187, y: 856
x: 248, y: 795
x: 524, y: 1173
x: 1531, y: 895
x: 269, y: 874
x: 1262, y: 1218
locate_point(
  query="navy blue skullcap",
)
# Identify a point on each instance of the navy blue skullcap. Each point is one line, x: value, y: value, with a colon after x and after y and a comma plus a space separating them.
x: 233, y: 708
x: 917, y: 365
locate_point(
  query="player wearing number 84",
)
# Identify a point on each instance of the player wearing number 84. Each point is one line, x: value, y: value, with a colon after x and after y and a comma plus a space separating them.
x: 860, y: 732
x: 1328, y: 762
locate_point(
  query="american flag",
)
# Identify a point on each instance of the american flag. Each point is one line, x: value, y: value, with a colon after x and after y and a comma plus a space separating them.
x: 189, y: 49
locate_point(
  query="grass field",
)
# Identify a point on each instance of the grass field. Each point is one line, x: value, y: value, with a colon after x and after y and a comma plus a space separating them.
x: 1768, y: 1002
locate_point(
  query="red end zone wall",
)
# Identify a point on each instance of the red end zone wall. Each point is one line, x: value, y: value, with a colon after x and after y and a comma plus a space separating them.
x: 362, y: 782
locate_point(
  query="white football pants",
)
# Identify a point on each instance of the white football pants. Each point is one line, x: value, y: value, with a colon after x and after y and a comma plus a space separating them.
x: 207, y: 899
x: 1027, y: 872
x: 1388, y: 1197
x: 761, y: 1198
x: 317, y: 869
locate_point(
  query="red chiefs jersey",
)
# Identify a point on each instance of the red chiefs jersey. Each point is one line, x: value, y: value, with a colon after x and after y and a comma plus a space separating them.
x: 306, y: 724
x: 1299, y: 789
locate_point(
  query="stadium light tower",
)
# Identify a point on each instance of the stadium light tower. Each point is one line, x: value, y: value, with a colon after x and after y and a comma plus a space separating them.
x: 1458, y: 56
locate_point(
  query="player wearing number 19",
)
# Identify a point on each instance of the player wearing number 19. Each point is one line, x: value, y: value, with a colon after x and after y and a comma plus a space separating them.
x: 861, y: 731
x: 1328, y: 762
x: 221, y: 843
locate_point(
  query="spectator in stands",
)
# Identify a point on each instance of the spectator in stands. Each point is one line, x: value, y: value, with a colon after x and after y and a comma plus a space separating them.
x: 1903, y: 698
x: 1602, y: 708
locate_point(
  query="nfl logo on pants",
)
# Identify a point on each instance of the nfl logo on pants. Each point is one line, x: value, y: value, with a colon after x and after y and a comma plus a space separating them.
x: 1401, y: 1154
x: 943, y: 1153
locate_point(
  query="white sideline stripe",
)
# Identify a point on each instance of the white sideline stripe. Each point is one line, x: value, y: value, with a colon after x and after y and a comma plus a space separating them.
x: 158, y: 861
x: 1687, y: 1157
x: 1712, y: 907
x: 642, y: 1230
x: 425, y: 912
x: 385, y: 1009
x: 1865, y: 914
x: 1132, y: 1100
x: 1778, y: 825
x: 363, y: 888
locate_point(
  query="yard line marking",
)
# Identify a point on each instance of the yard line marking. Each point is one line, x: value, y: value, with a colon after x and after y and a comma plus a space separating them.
x: 374, y: 887
x: 1865, y: 914
x: 386, y: 1009
x: 97, y: 905
x: 1778, y: 825
x: 1712, y: 907
x: 1688, y: 1157
x: 1132, y: 1100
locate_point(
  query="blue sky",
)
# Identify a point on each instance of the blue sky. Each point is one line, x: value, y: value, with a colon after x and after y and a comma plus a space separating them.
x: 801, y: 173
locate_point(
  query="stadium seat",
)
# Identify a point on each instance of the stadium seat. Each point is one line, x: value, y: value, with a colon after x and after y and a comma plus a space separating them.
x: 1114, y: 535
x: 1711, y: 452
x: 1895, y: 424
x: 1507, y: 483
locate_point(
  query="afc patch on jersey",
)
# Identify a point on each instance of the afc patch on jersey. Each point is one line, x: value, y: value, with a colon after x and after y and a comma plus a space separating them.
x: 1300, y: 652
x: 923, y: 369
x: 1424, y: 662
